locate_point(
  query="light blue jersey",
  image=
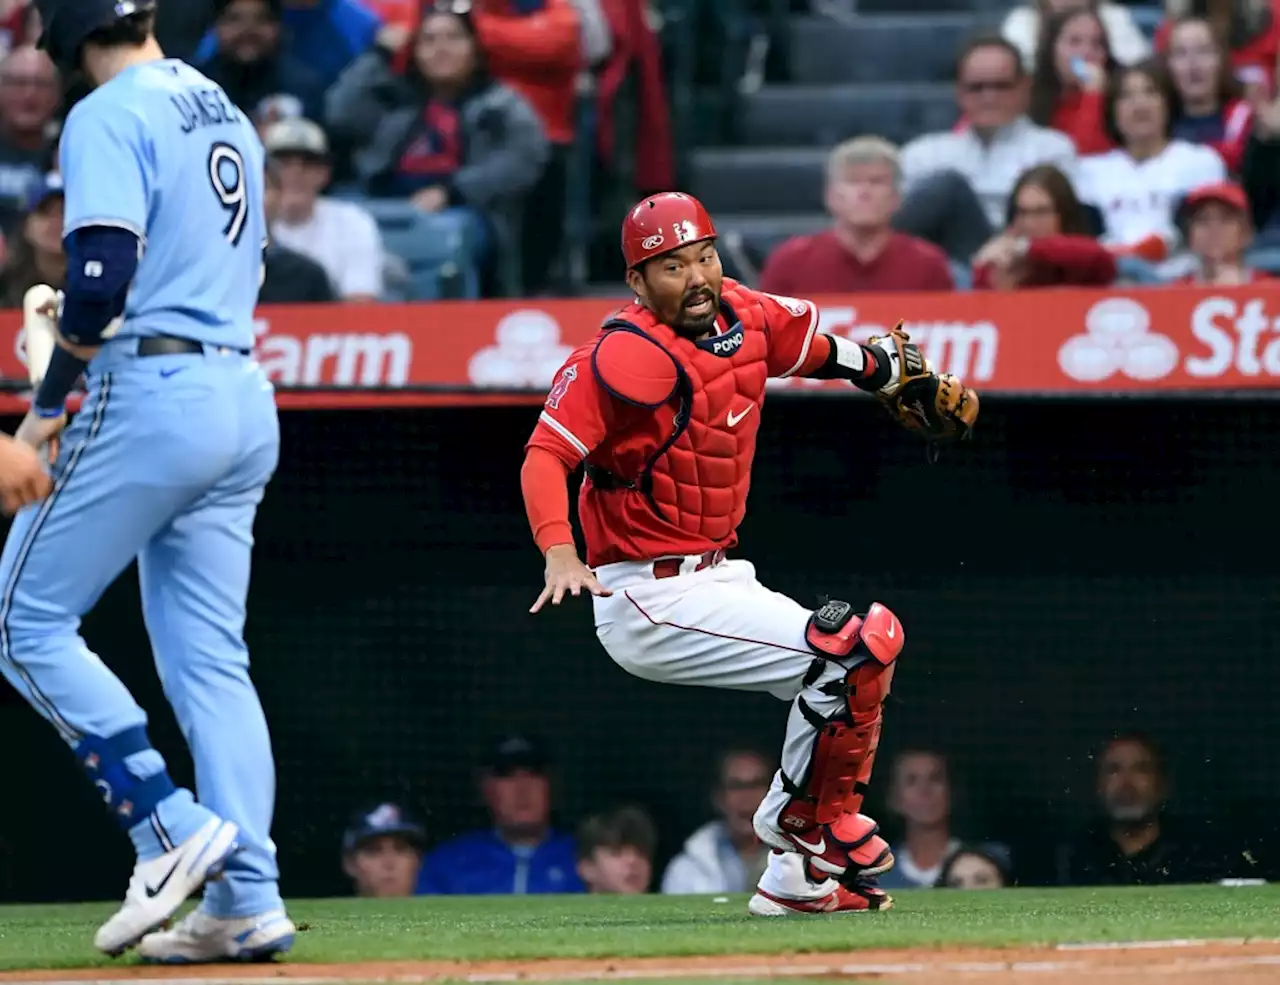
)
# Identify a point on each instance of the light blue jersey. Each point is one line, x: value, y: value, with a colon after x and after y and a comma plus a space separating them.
x: 162, y: 151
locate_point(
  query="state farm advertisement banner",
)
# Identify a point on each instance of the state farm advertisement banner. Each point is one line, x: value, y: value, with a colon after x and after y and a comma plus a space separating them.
x: 1046, y: 341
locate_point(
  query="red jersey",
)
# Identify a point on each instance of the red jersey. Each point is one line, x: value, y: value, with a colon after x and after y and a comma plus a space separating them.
x: 672, y: 478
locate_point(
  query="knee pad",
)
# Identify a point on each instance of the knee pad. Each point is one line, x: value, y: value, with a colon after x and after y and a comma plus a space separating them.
x: 837, y: 632
x: 130, y: 798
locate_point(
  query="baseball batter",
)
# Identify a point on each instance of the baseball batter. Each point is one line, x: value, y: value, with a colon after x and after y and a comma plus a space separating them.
x: 663, y: 407
x: 166, y: 463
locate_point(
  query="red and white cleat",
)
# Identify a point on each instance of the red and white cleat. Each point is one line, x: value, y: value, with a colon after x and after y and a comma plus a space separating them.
x: 865, y: 899
x: 791, y: 885
x: 852, y: 842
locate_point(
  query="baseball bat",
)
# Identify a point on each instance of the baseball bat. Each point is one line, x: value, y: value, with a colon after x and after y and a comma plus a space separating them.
x: 40, y: 330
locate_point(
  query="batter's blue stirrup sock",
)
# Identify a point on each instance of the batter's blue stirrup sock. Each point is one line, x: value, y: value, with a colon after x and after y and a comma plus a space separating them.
x: 128, y: 772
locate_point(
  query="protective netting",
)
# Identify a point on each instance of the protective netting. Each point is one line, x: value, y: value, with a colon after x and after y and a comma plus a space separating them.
x: 1080, y: 567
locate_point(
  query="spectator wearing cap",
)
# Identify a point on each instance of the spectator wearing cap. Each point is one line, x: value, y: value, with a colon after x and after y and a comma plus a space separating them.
x: 36, y: 255
x: 1219, y: 232
x: 288, y: 276
x: 382, y: 851
x: 956, y: 183
x: 254, y: 69
x: 323, y: 35
x: 340, y: 236
x: 29, y: 97
x: 521, y: 853
x: 444, y: 134
x: 615, y: 851
x: 861, y: 251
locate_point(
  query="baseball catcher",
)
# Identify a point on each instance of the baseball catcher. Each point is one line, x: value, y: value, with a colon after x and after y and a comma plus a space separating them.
x: 663, y: 408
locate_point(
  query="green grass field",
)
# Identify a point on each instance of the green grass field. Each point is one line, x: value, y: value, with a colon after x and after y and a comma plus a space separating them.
x: 477, y: 928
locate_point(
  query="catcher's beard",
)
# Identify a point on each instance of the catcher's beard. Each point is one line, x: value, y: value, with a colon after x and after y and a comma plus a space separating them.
x: 695, y: 326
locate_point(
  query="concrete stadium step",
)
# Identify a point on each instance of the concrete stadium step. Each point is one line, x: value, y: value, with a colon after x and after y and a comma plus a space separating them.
x: 761, y: 234
x: 878, y: 48
x: 825, y: 115
x: 755, y: 180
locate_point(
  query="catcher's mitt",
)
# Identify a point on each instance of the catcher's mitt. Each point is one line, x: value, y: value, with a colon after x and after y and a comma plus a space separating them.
x: 939, y: 408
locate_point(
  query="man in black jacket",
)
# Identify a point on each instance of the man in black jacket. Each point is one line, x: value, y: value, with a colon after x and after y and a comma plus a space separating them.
x: 1135, y: 842
x: 252, y: 66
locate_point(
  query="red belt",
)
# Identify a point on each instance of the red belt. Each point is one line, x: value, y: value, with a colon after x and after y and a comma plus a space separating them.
x: 669, y: 567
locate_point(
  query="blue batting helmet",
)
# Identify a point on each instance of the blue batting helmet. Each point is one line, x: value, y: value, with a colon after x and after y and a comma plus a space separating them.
x: 68, y: 23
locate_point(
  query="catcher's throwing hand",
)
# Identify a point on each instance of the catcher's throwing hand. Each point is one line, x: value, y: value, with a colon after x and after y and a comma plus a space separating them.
x: 940, y: 408
x: 566, y: 573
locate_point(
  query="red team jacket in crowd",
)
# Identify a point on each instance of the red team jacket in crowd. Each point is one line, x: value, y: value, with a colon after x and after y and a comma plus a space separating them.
x: 1059, y: 261
x: 636, y: 49
x: 688, y: 453
x: 538, y: 54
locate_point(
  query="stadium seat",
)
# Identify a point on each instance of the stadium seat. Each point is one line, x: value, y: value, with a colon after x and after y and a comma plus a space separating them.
x: 800, y: 115
x: 440, y: 252
x: 868, y: 49
x: 1266, y: 259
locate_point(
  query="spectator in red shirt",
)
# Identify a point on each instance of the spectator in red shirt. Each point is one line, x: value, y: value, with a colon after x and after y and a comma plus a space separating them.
x: 1208, y: 106
x: 535, y: 47
x: 1047, y: 241
x: 1219, y: 232
x: 1072, y: 67
x: 861, y: 251
x: 1251, y: 29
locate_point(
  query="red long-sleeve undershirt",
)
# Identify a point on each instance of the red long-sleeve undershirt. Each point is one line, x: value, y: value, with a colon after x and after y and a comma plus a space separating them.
x: 544, y: 477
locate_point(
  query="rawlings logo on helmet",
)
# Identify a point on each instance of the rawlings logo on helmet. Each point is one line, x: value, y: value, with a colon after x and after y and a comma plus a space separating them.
x: 653, y: 242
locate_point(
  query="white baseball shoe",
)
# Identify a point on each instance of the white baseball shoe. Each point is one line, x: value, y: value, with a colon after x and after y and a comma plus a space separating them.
x: 159, y: 886
x: 202, y: 939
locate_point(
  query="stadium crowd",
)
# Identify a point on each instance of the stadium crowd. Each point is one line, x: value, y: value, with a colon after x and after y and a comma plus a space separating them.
x: 1134, y: 838
x: 440, y: 148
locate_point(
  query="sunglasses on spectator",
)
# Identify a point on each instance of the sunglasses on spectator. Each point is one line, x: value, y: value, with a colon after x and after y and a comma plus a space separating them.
x: 988, y: 85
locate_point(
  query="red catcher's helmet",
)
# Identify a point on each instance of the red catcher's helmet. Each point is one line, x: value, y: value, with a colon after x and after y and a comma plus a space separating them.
x: 662, y: 223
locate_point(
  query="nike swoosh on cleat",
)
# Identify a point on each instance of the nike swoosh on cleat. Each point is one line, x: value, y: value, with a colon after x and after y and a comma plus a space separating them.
x: 817, y: 849
x: 153, y: 891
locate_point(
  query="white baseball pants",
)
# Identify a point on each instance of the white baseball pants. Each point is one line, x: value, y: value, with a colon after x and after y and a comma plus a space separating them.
x: 719, y: 627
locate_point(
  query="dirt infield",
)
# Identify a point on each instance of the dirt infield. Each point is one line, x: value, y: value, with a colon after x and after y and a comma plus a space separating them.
x: 1221, y: 962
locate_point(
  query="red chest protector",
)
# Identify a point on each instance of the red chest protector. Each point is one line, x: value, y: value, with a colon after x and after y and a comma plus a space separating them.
x: 697, y: 473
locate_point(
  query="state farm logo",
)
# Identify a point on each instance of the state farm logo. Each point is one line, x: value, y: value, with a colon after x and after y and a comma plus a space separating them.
x: 964, y: 349
x: 1118, y: 339
x: 1236, y: 335
x: 341, y: 359
x: 526, y: 353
